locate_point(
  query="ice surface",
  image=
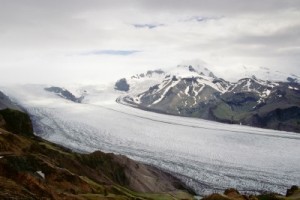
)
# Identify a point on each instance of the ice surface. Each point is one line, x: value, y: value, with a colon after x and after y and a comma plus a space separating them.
x: 208, y: 156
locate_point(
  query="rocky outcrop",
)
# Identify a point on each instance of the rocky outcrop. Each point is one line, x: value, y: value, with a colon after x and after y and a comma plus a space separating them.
x: 122, y: 85
x: 293, y: 191
x: 65, y: 94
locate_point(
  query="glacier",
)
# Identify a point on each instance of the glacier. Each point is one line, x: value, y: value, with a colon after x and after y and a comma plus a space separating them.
x: 207, y: 156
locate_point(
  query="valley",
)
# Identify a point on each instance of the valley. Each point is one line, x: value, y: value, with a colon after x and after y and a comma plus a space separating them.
x: 207, y: 156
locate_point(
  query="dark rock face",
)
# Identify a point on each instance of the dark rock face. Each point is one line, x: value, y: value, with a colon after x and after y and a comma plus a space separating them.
x: 65, y: 94
x: 238, y: 99
x: 122, y: 85
x: 191, y: 69
x: 16, y: 122
x: 148, y: 74
x: 151, y: 72
x: 292, y: 191
x: 292, y: 80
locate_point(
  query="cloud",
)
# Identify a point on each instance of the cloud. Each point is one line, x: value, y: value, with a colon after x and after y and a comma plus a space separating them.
x: 111, y: 52
x: 38, y: 37
x: 149, y: 26
x: 224, y: 7
x: 202, y: 18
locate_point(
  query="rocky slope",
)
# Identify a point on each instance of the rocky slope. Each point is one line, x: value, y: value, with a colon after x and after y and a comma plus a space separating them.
x: 65, y: 94
x: 232, y: 194
x: 196, y: 92
x: 32, y: 168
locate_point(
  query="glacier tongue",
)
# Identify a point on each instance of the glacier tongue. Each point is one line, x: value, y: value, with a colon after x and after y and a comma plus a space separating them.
x: 208, y: 156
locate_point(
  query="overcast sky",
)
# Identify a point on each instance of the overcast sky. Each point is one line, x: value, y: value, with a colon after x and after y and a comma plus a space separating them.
x: 94, y: 41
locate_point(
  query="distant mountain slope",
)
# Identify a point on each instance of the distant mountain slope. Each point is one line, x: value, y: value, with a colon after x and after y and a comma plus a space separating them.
x: 5, y: 102
x: 64, y: 94
x: 196, y: 92
x: 266, y: 73
x: 32, y: 168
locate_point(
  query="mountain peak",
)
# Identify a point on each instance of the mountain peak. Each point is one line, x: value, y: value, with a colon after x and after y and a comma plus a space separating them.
x: 149, y: 74
x: 185, y: 71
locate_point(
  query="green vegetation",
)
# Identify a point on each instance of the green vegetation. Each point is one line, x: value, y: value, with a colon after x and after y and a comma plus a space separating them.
x: 223, y: 112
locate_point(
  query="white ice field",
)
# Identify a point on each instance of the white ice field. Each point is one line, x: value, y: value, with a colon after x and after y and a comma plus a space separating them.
x: 207, y: 156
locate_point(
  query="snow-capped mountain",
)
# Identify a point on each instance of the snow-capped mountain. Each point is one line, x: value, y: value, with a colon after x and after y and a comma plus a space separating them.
x: 142, y: 82
x: 64, y: 93
x: 154, y: 85
x: 195, y: 91
x: 187, y: 71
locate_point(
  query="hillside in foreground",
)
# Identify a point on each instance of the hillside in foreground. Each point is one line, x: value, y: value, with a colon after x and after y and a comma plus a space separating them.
x: 32, y: 168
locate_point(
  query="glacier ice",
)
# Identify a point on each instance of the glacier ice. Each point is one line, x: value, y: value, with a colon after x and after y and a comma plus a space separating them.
x: 208, y: 156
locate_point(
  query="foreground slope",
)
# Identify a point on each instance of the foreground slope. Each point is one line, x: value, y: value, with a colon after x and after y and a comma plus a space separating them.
x: 206, y: 155
x: 32, y: 168
x: 231, y: 194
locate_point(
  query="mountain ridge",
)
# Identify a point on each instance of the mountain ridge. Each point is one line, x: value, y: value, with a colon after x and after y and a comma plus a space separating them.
x: 196, y: 92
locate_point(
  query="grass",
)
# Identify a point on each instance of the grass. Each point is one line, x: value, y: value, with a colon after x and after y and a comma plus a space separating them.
x: 225, y: 112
